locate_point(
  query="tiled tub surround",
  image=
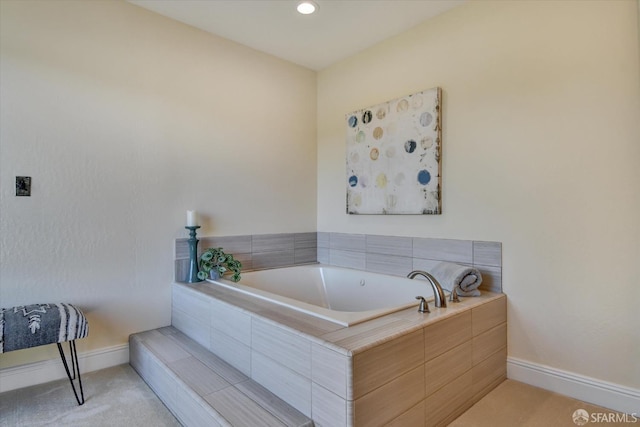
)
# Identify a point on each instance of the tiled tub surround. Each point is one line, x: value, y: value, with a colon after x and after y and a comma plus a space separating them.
x: 406, y: 368
x: 254, y: 251
x: 399, y: 255
x: 393, y: 255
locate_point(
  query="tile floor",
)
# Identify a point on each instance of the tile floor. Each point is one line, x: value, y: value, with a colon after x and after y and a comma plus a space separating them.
x: 514, y: 404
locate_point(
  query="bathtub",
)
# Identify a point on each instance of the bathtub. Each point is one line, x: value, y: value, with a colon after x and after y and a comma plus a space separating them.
x: 340, y: 295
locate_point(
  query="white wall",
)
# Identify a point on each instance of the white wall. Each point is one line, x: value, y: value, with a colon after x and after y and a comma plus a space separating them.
x: 541, y: 146
x: 124, y: 120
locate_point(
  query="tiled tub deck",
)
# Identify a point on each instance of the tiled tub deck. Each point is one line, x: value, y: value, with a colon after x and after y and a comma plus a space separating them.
x: 405, y: 369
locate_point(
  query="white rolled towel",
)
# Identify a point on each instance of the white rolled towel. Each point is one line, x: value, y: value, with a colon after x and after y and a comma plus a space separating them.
x: 464, y: 279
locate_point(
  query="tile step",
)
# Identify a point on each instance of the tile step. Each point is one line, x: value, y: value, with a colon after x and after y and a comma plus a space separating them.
x: 199, y: 388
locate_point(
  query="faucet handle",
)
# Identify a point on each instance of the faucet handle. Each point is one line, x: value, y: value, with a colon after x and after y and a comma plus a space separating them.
x: 454, y: 295
x: 424, y: 306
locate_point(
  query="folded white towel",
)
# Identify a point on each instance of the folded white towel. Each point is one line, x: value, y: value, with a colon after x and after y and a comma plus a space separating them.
x: 464, y: 279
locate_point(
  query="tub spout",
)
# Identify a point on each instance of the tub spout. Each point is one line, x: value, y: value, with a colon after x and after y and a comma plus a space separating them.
x: 438, y: 293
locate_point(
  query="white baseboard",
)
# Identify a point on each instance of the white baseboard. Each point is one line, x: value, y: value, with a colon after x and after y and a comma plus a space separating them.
x: 590, y: 390
x: 53, y: 369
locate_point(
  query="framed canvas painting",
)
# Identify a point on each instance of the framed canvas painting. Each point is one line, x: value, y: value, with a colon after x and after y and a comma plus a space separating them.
x: 394, y: 156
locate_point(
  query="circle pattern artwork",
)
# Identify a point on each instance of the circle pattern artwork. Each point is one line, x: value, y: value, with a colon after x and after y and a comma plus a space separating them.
x: 393, y: 156
x: 426, y: 119
x: 424, y: 177
x: 410, y: 146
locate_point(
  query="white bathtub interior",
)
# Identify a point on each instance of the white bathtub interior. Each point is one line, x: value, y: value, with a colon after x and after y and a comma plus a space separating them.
x: 341, y: 295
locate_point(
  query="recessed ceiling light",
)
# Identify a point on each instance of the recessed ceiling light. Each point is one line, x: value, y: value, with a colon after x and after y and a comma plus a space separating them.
x: 307, y: 7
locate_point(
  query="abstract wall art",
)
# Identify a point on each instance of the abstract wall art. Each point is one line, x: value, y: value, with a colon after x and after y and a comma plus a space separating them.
x: 393, y: 156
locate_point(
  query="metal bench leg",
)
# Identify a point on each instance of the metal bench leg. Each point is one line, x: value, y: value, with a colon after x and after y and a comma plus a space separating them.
x: 75, y: 368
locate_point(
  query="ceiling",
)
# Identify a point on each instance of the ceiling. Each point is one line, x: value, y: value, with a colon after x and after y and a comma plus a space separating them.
x: 338, y: 29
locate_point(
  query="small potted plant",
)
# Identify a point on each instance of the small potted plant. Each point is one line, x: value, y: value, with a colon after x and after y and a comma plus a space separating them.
x: 214, y: 263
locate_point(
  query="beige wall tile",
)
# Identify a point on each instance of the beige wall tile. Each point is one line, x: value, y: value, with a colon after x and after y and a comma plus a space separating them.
x: 443, y: 249
x: 389, y: 245
x: 290, y: 350
x: 489, y: 315
x: 327, y: 409
x: 490, y: 369
x: 231, y: 350
x: 442, y: 336
x: 487, y: 389
x: 347, y: 259
x: 323, y: 239
x: 456, y: 413
x: 199, y: 377
x: 239, y: 410
x: 491, y: 278
x: 191, y: 412
x: 215, y: 363
x: 192, y: 327
x: 452, y: 396
x: 272, y: 242
x: 164, y: 347
x: 367, y: 332
x: 190, y: 303
x: 181, y: 270
x: 161, y: 381
x: 323, y: 255
x: 276, y: 406
x: 351, y: 413
x: 445, y: 368
x: 414, y: 417
x: 487, y: 253
x: 349, y: 242
x: 388, y: 264
x: 331, y: 370
x: 305, y: 240
x: 305, y: 255
x: 300, y: 321
x: 391, y: 400
x: 381, y: 364
x: 288, y: 385
x: 138, y: 356
x: 231, y: 321
x: 272, y: 259
x: 489, y: 342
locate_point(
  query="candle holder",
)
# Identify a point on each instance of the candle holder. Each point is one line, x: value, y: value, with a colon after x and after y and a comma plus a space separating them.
x: 192, y: 276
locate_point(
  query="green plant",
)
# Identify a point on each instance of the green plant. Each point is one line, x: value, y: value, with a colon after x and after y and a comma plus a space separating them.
x: 217, y: 259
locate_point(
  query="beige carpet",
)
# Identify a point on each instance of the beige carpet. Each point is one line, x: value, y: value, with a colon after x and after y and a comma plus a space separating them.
x: 115, y: 396
x: 118, y: 397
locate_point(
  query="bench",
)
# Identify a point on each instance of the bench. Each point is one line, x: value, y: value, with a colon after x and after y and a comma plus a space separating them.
x: 27, y: 326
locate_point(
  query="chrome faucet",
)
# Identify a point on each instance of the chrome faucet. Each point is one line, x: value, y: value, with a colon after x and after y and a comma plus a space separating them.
x: 438, y: 293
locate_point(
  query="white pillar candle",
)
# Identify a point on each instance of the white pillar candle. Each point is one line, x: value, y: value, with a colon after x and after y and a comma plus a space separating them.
x: 191, y: 219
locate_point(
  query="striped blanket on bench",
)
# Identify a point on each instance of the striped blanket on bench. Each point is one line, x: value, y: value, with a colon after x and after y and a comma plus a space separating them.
x: 33, y: 325
x: 27, y: 326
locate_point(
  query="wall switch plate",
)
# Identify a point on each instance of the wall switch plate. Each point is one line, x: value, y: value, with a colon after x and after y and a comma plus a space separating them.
x: 23, y: 186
